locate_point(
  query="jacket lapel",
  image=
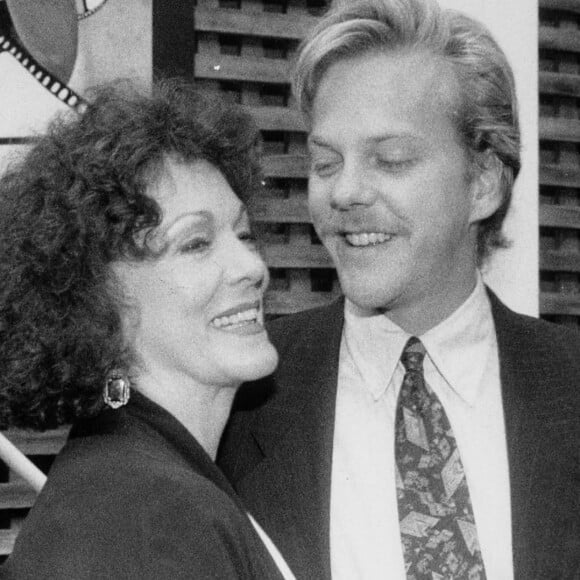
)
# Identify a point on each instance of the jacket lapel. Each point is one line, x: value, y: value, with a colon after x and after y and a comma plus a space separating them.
x: 294, y: 433
x: 536, y: 398
x: 521, y: 446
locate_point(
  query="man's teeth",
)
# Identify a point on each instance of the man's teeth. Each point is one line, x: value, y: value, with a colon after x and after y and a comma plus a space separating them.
x: 367, y: 239
x: 246, y: 317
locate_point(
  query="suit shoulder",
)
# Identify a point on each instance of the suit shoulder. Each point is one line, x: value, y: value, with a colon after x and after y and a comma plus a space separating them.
x: 302, y: 326
x: 534, y: 334
x: 543, y: 357
x: 551, y: 336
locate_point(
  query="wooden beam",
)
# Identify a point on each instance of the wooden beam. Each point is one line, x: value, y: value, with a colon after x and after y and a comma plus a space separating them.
x: 564, y: 39
x: 560, y: 175
x: 262, y: 24
x: 234, y: 68
x: 554, y: 260
x: 287, y: 256
x: 278, y: 118
x: 560, y: 216
x: 560, y: 129
x: 566, y: 5
x: 16, y: 495
x: 7, y: 539
x: 558, y: 303
x: 561, y: 84
x: 291, y: 166
x: 38, y: 442
x: 287, y: 211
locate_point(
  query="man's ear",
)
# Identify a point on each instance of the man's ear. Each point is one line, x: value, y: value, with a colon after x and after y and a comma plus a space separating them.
x: 485, y: 188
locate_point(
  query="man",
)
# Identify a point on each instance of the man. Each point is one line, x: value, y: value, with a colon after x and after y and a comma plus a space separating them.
x: 417, y: 428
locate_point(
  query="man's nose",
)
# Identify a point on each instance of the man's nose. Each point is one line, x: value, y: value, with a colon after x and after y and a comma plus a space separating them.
x: 351, y: 188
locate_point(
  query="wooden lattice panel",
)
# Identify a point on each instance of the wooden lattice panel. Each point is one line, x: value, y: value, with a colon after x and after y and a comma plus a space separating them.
x: 560, y: 160
x: 244, y: 50
x: 16, y: 496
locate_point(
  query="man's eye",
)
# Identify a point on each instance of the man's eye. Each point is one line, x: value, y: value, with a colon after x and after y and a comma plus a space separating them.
x: 395, y: 164
x: 324, y: 168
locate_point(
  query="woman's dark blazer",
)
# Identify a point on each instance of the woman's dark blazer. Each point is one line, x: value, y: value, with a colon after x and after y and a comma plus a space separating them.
x: 133, y: 495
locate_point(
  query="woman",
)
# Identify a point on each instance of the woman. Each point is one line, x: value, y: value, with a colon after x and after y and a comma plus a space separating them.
x: 131, y: 305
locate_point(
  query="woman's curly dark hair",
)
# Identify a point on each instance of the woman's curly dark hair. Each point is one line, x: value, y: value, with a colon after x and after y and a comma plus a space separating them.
x: 74, y: 204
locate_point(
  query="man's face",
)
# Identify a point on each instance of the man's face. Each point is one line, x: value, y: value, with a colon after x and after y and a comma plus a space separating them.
x: 390, y: 191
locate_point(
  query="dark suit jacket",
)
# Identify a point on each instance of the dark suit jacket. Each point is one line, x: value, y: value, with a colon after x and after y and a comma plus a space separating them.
x: 134, y: 496
x: 278, y: 447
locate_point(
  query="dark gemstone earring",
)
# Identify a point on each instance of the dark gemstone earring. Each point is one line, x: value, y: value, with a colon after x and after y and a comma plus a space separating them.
x: 117, y: 389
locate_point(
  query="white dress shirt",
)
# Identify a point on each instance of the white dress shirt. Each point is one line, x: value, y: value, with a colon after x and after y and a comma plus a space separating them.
x: 462, y: 367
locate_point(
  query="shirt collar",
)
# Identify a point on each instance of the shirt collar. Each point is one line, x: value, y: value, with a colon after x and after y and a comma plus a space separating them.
x: 373, y: 345
x: 458, y: 347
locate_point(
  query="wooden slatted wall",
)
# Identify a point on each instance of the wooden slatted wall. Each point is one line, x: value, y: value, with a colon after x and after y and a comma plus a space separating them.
x: 560, y: 160
x: 243, y: 49
x: 16, y: 496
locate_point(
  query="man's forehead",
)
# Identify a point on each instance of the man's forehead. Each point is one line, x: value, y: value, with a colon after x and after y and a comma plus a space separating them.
x: 383, y: 96
x: 414, y: 68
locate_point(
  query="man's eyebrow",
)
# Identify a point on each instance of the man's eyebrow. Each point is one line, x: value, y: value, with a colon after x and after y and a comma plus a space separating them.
x: 316, y: 141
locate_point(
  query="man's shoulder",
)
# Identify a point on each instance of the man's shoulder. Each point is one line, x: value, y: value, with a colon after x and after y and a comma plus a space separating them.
x: 535, y: 333
x: 305, y: 326
x: 540, y: 362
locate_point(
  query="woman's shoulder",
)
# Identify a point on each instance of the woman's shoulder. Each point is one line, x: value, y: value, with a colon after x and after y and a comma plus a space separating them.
x: 137, y: 509
x: 129, y: 463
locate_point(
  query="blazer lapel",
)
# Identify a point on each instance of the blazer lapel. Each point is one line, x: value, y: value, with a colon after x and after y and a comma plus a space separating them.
x: 295, y: 434
x: 542, y: 493
x: 521, y: 446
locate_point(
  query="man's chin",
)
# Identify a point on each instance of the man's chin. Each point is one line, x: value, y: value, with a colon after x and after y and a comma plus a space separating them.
x: 366, y: 296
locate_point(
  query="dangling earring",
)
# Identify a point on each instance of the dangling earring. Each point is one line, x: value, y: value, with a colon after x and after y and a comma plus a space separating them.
x: 117, y: 389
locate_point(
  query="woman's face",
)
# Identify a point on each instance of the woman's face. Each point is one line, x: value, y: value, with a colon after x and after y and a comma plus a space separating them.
x: 195, y: 313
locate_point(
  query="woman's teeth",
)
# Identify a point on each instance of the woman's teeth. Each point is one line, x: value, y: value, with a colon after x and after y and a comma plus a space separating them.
x: 371, y: 239
x: 246, y: 317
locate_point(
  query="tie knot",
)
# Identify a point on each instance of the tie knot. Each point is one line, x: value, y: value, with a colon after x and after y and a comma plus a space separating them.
x: 413, y: 355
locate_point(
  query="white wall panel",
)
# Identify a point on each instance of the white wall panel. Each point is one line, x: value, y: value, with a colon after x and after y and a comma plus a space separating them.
x: 514, y: 273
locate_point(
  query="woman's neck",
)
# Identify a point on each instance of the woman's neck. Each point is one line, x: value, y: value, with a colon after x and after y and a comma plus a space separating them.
x: 202, y: 409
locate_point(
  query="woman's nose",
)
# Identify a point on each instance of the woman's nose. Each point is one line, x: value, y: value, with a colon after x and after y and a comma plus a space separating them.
x: 244, y: 263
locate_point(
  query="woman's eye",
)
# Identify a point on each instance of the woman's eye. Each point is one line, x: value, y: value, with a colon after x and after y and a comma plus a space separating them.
x: 195, y: 245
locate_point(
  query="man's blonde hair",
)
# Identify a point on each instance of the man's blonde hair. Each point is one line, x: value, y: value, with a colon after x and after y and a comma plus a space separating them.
x: 485, y: 113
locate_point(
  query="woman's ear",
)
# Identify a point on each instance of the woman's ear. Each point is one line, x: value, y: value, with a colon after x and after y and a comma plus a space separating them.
x: 485, y: 188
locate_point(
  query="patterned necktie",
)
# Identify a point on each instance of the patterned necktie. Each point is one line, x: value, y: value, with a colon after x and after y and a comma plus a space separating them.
x: 438, y: 530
